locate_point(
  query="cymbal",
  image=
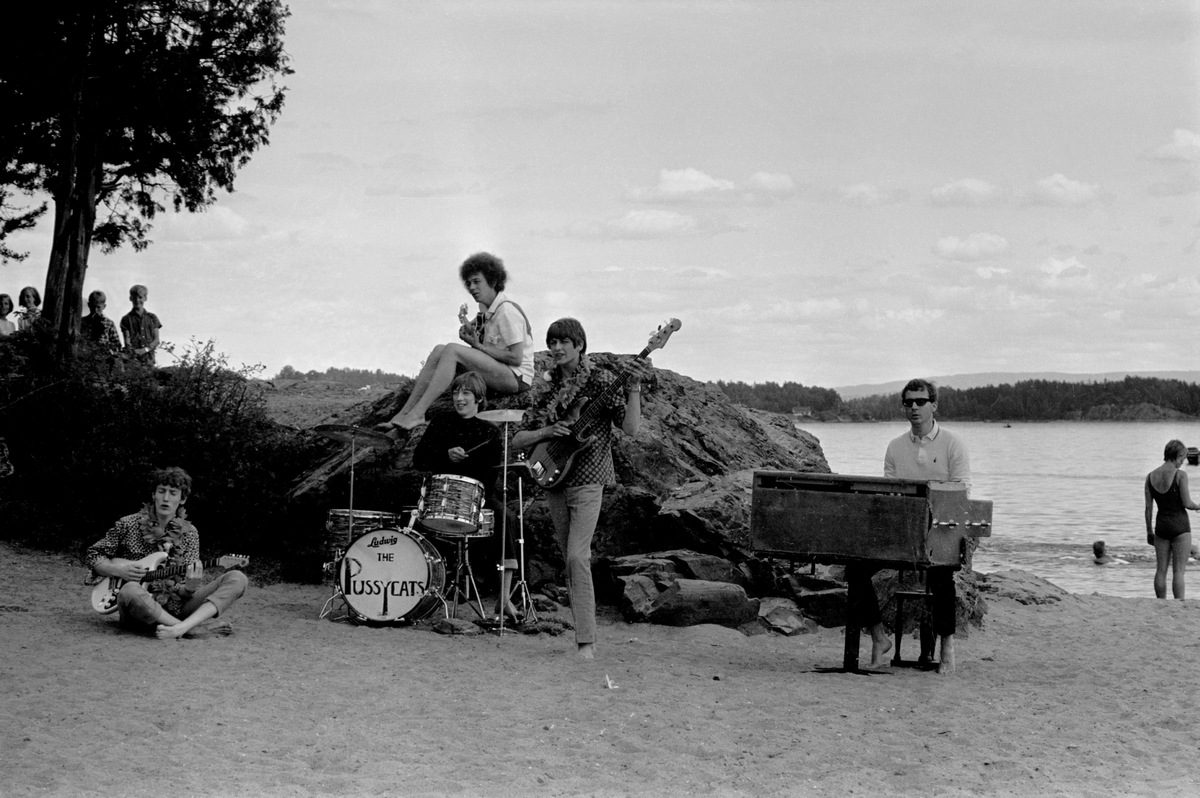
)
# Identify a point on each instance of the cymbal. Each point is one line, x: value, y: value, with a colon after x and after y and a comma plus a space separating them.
x: 348, y: 433
x: 513, y: 464
x: 501, y: 415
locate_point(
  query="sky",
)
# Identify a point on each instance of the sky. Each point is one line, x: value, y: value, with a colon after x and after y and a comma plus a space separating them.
x: 830, y: 192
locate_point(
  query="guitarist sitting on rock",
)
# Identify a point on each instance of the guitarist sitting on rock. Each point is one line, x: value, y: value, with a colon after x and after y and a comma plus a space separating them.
x: 575, y: 501
x: 174, y: 606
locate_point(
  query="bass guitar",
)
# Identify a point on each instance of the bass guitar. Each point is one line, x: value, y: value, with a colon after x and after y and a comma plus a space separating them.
x: 551, y: 460
x: 104, y: 592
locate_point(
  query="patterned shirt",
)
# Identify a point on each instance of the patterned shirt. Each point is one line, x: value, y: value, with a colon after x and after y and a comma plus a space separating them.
x: 593, y: 466
x: 125, y: 540
x: 99, y: 329
x: 139, y: 330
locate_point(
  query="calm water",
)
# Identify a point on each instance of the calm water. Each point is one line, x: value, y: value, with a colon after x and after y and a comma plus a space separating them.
x: 1056, y: 488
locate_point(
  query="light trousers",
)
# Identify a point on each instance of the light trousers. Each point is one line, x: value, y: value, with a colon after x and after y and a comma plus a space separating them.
x: 575, y: 512
x: 140, y: 611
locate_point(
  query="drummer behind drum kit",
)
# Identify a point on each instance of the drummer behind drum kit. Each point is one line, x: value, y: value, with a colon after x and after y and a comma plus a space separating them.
x: 388, y: 572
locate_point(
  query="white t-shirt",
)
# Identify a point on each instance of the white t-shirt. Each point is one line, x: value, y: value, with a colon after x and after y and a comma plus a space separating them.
x: 504, y: 325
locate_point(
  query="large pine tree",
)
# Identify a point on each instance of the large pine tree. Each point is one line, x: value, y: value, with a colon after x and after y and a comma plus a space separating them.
x: 116, y: 106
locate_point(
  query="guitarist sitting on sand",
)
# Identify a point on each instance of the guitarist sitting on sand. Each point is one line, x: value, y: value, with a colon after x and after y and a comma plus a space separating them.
x: 575, y: 502
x: 173, y: 606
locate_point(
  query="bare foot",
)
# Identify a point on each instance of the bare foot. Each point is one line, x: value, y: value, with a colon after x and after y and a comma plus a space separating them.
x: 173, y: 632
x: 587, y: 650
x: 880, y: 646
x: 946, y: 663
x: 879, y: 650
x: 410, y: 422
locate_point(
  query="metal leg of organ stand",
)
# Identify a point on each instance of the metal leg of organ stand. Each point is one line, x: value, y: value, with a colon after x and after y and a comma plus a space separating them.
x: 337, y: 586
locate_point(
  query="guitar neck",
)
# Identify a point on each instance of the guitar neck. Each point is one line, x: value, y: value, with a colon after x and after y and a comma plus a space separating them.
x: 594, y: 407
x: 176, y: 570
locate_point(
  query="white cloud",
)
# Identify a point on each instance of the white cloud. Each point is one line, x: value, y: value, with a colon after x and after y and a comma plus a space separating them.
x: 1183, y: 146
x: 217, y: 223
x: 968, y: 191
x: 772, y: 183
x: 684, y: 184
x: 977, y: 246
x: 652, y: 223
x: 1063, y: 268
x: 690, y: 185
x: 987, y: 272
x: 871, y: 194
x: 1179, y: 186
x: 1060, y: 190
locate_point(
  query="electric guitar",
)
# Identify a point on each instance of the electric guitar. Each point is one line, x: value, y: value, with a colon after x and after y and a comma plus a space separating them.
x: 551, y: 460
x: 104, y: 593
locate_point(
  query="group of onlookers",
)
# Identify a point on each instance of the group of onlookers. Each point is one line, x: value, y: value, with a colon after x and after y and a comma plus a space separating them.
x: 139, y: 327
x: 27, y: 316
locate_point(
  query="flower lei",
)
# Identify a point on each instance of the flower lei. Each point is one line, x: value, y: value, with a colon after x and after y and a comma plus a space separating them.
x: 569, y: 389
x: 164, y: 589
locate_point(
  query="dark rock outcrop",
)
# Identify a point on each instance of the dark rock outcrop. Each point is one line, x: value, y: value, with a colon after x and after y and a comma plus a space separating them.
x: 684, y: 480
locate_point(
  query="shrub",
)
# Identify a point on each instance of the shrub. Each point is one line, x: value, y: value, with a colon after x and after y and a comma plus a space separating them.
x: 84, y: 437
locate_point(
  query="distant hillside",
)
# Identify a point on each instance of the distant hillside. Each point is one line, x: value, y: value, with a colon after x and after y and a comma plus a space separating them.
x: 965, y: 381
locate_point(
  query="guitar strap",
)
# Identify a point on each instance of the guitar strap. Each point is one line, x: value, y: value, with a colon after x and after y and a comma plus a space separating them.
x: 507, y: 301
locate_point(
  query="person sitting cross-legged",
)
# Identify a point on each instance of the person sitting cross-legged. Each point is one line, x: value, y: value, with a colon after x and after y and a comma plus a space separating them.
x: 172, y: 606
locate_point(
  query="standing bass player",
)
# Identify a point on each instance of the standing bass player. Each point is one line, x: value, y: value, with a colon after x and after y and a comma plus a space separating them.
x: 575, y: 501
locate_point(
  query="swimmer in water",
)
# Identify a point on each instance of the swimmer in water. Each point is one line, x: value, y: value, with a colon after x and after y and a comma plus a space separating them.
x: 1100, y: 555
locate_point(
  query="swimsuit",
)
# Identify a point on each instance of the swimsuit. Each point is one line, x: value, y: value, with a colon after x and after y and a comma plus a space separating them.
x: 1172, y: 520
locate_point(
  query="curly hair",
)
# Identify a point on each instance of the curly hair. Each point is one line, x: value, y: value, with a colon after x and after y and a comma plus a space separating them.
x: 487, y: 264
x: 173, y: 477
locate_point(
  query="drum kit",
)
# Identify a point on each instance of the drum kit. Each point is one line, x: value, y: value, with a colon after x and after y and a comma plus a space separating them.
x: 388, y: 572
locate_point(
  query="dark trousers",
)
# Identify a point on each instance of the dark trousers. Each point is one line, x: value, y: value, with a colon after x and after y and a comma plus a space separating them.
x: 863, y: 607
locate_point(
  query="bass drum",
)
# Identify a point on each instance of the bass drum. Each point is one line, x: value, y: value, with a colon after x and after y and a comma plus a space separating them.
x: 391, y: 575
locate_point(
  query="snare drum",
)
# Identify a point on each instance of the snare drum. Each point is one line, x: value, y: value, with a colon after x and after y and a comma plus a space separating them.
x: 451, y: 505
x: 390, y: 575
x: 337, y: 523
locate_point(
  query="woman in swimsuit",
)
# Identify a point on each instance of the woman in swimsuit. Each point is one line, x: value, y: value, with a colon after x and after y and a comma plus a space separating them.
x: 1171, y: 533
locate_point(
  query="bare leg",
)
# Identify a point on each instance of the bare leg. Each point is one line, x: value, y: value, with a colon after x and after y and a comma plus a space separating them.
x: 421, y: 383
x: 880, y: 645
x: 1162, y: 556
x: 496, y: 375
x: 1180, y: 549
x: 946, y: 662
x: 504, y: 602
x: 179, y: 629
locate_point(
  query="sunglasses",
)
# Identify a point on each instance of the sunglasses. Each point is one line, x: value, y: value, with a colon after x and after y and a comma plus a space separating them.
x: 917, y: 402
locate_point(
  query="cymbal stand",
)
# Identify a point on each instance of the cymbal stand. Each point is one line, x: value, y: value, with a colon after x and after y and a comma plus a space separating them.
x: 337, y: 585
x: 522, y: 587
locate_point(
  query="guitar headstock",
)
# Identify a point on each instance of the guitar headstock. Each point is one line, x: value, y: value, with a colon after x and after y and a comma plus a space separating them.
x: 233, y: 561
x: 663, y: 334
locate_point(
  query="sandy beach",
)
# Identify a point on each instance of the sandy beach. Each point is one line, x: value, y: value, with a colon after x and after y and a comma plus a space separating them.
x: 1091, y: 695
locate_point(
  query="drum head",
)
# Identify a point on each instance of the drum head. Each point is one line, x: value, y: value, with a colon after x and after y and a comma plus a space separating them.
x: 451, y: 506
x: 391, y: 575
